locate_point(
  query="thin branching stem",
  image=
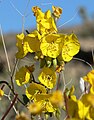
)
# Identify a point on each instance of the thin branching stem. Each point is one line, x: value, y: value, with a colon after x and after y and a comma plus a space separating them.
x: 63, y: 80
x: 5, y: 82
x: 6, y: 54
x: 15, y: 8
x: 66, y: 104
x: 58, y: 83
x: 79, y: 59
x: 69, y: 19
x: 8, y: 96
x: 46, y: 4
x: 5, y: 50
x: 13, y: 72
x: 8, y: 110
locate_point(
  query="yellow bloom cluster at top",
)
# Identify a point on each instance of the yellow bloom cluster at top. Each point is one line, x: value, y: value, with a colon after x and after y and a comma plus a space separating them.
x: 45, y: 40
x: 52, y: 49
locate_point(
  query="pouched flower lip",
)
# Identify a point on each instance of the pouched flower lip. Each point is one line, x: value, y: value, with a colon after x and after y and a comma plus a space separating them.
x: 34, y: 89
x: 22, y: 76
x: 47, y: 77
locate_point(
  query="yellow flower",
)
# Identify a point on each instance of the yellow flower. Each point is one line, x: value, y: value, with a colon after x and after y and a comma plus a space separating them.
x: 35, y: 10
x: 46, y: 103
x: 41, y: 106
x: 20, y: 41
x: 1, y: 93
x: 82, y: 110
x: 47, y: 77
x: 22, y: 76
x: 33, y: 41
x: 45, y: 22
x: 50, y: 102
x: 87, y: 100
x: 57, y: 99
x: 36, y: 108
x: 49, y: 107
x: 57, y: 11
x: 38, y: 13
x: 29, y: 43
x: 77, y: 109
x: 51, y: 45
x: 70, y: 48
x: 90, y: 78
x: 34, y: 89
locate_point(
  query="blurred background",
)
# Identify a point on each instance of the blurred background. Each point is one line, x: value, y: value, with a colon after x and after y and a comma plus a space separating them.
x: 77, y: 17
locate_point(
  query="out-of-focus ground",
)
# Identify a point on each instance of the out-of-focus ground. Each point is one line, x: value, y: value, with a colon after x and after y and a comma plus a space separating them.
x: 74, y: 70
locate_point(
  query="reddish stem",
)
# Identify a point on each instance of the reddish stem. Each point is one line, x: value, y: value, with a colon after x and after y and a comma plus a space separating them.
x: 8, y: 110
x: 66, y: 104
x: 58, y: 82
x: 2, y: 87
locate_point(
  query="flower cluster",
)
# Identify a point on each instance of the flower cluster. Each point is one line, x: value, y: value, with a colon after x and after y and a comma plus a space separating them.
x: 52, y: 49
